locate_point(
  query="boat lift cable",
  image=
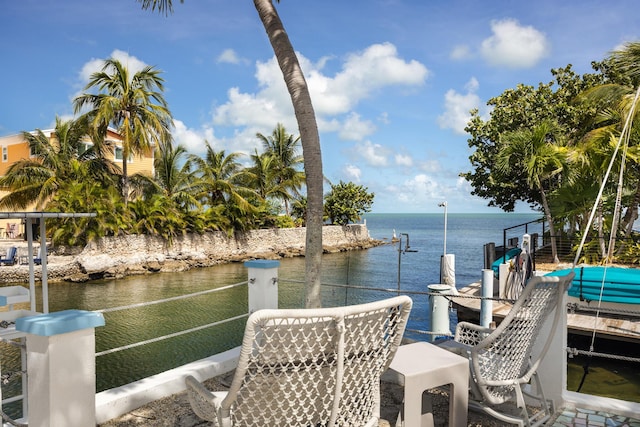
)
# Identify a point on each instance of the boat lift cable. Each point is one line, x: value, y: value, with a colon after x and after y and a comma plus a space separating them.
x: 623, y: 138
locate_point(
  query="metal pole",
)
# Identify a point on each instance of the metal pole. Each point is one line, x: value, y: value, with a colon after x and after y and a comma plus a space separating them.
x: 444, y: 204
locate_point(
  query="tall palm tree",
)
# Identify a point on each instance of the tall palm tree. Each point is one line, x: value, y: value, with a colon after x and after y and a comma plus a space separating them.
x: 283, y: 148
x: 65, y: 156
x: 308, y: 127
x: 132, y: 104
x: 539, y: 153
x: 220, y: 179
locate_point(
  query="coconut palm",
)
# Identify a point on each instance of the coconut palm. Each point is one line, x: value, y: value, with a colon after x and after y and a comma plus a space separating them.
x: 220, y: 181
x: 132, y: 104
x: 64, y: 156
x: 283, y: 148
x: 263, y: 176
x: 172, y: 178
x: 307, y: 125
x: 539, y: 153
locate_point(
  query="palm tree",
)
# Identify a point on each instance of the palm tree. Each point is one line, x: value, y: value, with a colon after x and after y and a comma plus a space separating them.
x: 308, y: 127
x: 172, y: 178
x: 132, y: 104
x: 538, y: 152
x: 65, y: 156
x: 219, y: 181
x: 282, y: 147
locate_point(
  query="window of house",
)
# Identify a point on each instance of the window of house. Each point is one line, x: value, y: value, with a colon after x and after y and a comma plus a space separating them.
x: 5, y: 154
x: 82, y: 147
x: 118, y: 155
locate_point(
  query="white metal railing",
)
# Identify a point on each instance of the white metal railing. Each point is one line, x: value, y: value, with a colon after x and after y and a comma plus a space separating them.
x: 174, y: 334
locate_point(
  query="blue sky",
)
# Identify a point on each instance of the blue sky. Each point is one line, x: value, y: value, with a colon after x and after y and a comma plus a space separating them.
x: 392, y: 81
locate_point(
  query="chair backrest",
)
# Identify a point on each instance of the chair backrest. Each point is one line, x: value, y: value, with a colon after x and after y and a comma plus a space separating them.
x: 309, y: 367
x: 11, y: 253
x: 504, y: 358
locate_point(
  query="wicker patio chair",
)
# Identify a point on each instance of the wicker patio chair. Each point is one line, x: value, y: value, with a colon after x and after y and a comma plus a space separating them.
x: 308, y: 367
x: 501, y: 360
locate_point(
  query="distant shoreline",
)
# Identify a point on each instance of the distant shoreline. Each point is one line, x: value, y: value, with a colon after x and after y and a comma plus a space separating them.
x: 122, y: 256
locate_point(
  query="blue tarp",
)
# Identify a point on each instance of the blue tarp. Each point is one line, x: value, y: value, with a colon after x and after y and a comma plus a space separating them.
x: 621, y: 285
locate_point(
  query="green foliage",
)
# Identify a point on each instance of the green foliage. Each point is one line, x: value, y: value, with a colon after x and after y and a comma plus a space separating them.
x: 299, y: 210
x: 346, y: 202
x: 519, y: 109
x: 112, y: 217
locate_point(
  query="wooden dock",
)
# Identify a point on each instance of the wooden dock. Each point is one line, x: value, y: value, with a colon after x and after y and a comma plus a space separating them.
x: 607, y: 326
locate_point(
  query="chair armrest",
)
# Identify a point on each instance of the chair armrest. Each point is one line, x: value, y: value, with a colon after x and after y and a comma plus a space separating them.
x: 204, y: 403
x: 470, y: 334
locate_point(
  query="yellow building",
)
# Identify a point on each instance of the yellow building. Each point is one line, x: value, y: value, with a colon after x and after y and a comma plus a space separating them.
x: 15, y: 147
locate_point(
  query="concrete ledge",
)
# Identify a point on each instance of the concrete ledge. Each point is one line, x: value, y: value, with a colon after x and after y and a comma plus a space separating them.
x: 121, y: 400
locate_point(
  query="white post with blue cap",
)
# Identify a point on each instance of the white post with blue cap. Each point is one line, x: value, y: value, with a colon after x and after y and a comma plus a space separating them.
x: 263, y: 284
x: 61, y: 367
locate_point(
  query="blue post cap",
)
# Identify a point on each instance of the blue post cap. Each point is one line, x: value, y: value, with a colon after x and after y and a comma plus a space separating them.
x: 262, y: 263
x: 60, y: 322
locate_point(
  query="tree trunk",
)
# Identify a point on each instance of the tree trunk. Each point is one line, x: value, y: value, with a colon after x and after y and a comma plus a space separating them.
x: 125, y: 179
x: 310, y: 139
x: 552, y: 231
x: 631, y: 215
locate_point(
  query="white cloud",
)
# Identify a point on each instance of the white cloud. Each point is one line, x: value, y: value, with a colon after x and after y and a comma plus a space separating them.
x: 373, y: 154
x: 192, y: 140
x: 361, y: 75
x: 513, y: 45
x: 132, y: 64
x: 229, y: 56
x: 352, y: 172
x: 355, y: 129
x: 457, y: 107
x: 460, y: 52
x: 418, y: 189
x: 403, y: 160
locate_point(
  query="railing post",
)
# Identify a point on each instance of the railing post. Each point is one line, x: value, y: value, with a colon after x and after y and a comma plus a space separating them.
x: 61, y: 367
x: 486, y: 305
x: 263, y: 284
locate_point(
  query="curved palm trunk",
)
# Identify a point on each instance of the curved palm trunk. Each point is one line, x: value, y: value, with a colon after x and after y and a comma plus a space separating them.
x: 305, y: 116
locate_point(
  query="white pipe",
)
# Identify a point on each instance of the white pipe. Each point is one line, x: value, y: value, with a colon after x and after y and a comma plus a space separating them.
x: 439, y: 310
x: 486, y: 305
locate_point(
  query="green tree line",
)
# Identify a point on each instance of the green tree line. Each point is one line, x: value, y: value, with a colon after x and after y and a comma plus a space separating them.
x: 550, y: 146
x: 188, y: 193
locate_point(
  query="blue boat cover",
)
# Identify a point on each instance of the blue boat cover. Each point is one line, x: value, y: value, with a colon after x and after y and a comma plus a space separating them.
x: 621, y: 284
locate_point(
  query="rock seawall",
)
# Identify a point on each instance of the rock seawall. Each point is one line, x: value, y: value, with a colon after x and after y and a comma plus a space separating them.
x: 116, y: 257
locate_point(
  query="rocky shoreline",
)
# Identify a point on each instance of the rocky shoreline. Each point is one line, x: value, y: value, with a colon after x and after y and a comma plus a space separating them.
x: 117, y: 257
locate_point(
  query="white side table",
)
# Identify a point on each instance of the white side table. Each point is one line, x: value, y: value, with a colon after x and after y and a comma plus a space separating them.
x: 424, y: 366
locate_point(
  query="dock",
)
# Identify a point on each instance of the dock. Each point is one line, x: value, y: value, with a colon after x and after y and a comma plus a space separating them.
x: 607, y: 326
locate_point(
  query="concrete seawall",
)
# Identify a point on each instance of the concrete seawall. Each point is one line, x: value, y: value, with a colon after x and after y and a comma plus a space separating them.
x: 115, y: 257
